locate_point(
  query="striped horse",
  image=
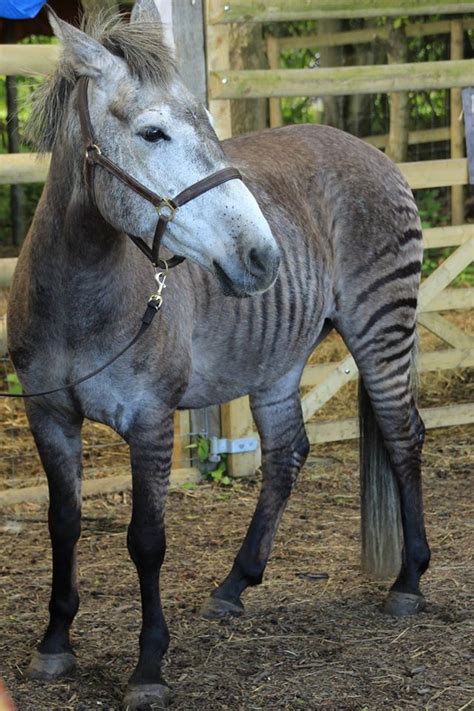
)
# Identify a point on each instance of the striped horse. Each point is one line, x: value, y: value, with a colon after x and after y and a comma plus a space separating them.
x: 322, y: 233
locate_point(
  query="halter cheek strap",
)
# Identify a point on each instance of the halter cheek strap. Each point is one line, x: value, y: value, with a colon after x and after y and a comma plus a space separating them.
x: 165, y: 207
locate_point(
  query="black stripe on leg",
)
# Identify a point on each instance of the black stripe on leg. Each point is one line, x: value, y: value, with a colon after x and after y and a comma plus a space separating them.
x: 409, y: 236
x: 398, y: 354
x: 386, y: 309
x: 402, y: 273
x: 378, y: 340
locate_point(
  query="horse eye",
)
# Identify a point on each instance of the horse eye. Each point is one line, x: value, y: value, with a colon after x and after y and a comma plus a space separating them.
x: 152, y: 135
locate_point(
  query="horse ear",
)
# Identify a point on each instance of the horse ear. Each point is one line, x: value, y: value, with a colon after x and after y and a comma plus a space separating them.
x: 87, y: 56
x: 145, y: 11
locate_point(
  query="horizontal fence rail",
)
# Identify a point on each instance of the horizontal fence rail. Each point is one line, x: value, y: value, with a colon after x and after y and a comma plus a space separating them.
x: 366, y: 35
x: 293, y: 10
x: 28, y: 59
x: 338, y: 81
x: 16, y: 168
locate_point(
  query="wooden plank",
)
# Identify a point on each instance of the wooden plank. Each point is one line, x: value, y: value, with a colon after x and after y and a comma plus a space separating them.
x: 7, y: 267
x: 448, y: 359
x: 237, y: 422
x: 28, y: 59
x: 273, y: 54
x: 430, y: 135
x: 435, y: 173
x: 16, y: 168
x: 348, y: 428
x: 399, y: 110
x: 33, y: 167
x: 188, y: 33
x: 293, y: 10
x: 334, y: 39
x: 447, y: 331
x: 452, y: 299
x: 449, y: 236
x: 340, y: 374
x: 182, y: 428
x: 457, y: 126
x: 3, y: 336
x: 445, y: 273
x: 337, y: 81
x: 93, y: 487
x: 218, y: 57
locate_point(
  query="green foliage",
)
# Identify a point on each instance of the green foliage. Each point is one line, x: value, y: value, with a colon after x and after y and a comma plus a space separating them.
x: 219, y: 474
x: 433, y: 207
x: 14, y: 385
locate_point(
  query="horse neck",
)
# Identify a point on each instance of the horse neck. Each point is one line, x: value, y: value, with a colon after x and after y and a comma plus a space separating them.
x: 68, y: 231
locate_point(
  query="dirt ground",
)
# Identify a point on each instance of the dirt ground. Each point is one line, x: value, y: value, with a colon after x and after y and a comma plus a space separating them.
x: 306, y: 641
x: 303, y: 643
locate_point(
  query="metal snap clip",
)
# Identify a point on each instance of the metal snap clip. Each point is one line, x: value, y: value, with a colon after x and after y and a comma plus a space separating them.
x: 156, y: 299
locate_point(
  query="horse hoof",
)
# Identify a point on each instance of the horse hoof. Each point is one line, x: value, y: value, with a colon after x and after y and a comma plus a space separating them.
x: 46, y: 667
x: 400, y: 604
x: 142, y: 697
x: 216, y: 609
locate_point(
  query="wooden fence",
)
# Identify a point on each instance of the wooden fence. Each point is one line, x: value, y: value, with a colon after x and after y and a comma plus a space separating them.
x: 436, y: 296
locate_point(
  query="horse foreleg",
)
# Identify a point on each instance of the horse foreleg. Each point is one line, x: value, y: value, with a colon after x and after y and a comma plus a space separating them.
x: 59, y: 445
x: 150, y: 450
x: 285, y: 447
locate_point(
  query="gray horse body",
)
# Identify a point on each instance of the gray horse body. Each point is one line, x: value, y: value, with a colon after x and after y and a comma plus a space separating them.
x: 350, y: 249
x: 324, y: 221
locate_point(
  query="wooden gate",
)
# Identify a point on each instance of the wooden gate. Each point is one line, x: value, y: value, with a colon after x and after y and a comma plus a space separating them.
x: 436, y: 296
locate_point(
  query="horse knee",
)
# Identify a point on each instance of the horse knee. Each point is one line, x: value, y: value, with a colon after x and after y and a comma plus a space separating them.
x: 146, y: 544
x: 65, y: 524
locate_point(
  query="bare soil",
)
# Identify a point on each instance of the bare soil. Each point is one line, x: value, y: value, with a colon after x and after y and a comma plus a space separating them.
x: 305, y: 642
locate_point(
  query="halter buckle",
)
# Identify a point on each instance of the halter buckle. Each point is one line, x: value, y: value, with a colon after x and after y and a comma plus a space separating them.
x: 166, y: 209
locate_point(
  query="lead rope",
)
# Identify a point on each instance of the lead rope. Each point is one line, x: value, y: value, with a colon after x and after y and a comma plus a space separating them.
x: 154, y: 304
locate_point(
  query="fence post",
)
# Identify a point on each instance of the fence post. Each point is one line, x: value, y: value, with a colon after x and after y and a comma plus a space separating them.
x: 236, y: 422
x: 273, y: 55
x: 218, y: 58
x: 457, y: 128
x: 397, y: 51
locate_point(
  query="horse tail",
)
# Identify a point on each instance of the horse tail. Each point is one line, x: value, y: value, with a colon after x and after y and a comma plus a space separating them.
x: 381, y: 527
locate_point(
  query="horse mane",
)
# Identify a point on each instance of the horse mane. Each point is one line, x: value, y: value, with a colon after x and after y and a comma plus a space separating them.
x: 141, y: 44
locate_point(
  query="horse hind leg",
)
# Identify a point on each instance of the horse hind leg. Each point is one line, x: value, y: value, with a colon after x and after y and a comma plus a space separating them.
x: 59, y: 445
x: 392, y: 435
x: 277, y: 413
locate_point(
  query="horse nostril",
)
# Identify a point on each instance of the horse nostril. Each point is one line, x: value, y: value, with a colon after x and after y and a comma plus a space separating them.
x: 255, y: 263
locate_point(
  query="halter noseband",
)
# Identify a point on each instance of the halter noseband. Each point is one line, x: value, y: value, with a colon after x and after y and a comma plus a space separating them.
x: 166, y: 207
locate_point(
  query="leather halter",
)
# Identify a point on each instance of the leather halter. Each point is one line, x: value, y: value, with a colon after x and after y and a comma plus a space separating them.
x: 166, y: 207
